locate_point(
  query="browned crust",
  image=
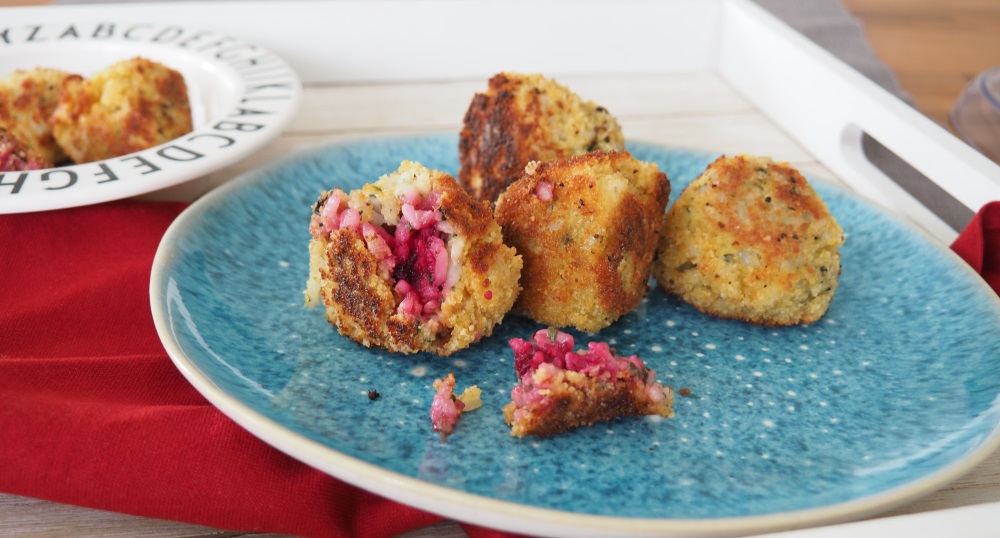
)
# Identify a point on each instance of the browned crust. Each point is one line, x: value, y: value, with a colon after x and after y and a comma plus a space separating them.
x: 575, y: 400
x: 791, y: 194
x: 629, y: 237
x: 489, y: 146
x: 471, y: 218
x: 359, y: 303
x: 489, y: 267
x: 587, y: 253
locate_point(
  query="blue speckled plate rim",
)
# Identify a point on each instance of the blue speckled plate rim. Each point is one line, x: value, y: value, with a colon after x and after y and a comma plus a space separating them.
x: 485, y: 511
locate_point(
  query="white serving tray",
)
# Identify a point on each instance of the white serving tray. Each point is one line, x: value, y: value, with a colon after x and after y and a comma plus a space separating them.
x: 709, y: 74
x: 819, y: 102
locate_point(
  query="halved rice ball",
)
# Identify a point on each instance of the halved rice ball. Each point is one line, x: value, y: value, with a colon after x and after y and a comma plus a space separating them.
x: 410, y: 263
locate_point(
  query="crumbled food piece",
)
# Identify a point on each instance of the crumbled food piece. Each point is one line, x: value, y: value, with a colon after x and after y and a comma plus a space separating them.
x: 373, y: 394
x: 446, y: 409
x: 750, y: 239
x: 587, y: 228
x: 471, y: 397
x: 560, y: 389
x: 130, y: 106
x: 522, y: 118
x: 410, y: 263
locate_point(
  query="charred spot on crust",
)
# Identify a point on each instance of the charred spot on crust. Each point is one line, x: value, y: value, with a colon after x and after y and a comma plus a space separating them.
x: 487, y: 153
x: 403, y: 333
x: 350, y: 269
x: 511, y: 124
x: 482, y: 255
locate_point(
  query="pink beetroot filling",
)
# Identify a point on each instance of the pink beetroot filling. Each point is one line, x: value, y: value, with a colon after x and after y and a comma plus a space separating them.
x: 552, y: 350
x: 556, y: 347
x: 445, y: 408
x: 11, y: 159
x: 414, y: 252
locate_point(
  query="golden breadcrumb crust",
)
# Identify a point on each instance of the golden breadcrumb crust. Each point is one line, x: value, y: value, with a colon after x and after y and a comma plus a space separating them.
x: 587, y: 252
x: 522, y: 118
x: 574, y: 399
x: 27, y: 99
x: 130, y: 106
x: 750, y: 239
x: 362, y: 303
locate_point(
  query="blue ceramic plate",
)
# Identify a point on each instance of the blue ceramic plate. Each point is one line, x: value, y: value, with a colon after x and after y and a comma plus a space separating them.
x: 891, y: 395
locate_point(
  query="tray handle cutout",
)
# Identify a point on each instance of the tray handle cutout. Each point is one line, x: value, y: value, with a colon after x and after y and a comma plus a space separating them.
x: 848, y: 123
x: 893, y: 176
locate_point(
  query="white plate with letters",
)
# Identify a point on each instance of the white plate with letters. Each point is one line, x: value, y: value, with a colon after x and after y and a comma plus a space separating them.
x: 241, y: 94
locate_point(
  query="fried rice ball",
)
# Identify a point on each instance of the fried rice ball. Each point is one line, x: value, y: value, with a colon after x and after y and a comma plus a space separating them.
x: 27, y: 99
x: 522, y: 118
x: 130, y: 106
x: 587, y: 229
x: 410, y: 263
x: 750, y: 239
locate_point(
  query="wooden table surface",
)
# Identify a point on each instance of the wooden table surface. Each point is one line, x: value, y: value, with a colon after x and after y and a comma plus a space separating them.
x: 933, y: 46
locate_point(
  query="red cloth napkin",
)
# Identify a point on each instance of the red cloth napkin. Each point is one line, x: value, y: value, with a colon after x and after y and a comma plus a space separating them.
x: 93, y: 413
x: 979, y: 244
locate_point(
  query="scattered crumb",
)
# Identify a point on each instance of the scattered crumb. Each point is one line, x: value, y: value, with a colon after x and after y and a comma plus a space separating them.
x: 471, y: 398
